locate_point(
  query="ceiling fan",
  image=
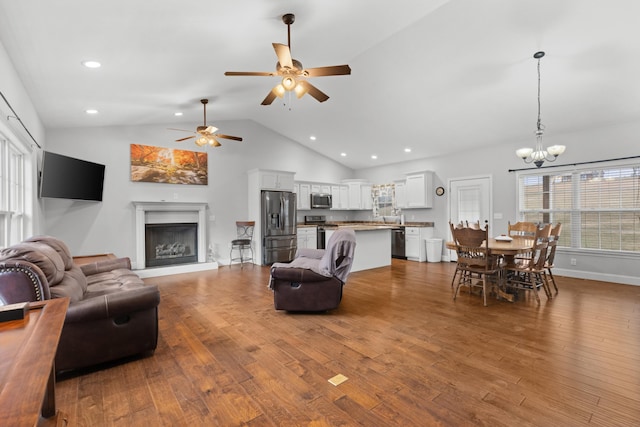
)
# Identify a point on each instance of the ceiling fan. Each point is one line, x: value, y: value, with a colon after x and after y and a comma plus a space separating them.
x: 292, y: 73
x: 207, y: 134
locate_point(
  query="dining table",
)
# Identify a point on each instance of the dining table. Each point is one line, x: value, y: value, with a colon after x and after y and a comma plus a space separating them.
x: 507, y: 248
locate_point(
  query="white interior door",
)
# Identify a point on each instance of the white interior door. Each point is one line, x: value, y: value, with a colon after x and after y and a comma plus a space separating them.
x: 470, y: 200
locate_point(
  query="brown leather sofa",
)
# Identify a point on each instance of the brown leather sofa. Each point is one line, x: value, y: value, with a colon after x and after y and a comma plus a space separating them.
x: 313, y: 281
x: 112, y: 314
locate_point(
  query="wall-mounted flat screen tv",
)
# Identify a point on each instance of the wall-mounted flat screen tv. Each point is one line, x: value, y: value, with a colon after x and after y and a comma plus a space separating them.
x: 65, y: 177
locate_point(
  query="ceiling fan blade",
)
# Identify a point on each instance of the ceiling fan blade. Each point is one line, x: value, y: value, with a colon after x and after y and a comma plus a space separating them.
x: 334, y: 70
x: 235, y: 138
x: 319, y: 95
x: 249, y: 73
x: 284, y: 55
x: 184, y: 139
x: 269, y: 98
x: 181, y: 130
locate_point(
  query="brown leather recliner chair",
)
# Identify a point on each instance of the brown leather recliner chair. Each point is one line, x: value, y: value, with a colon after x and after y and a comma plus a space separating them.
x: 112, y: 314
x: 313, y: 281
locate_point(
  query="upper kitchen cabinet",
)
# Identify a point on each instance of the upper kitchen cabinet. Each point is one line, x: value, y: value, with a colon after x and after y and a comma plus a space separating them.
x: 340, y: 196
x: 303, y: 190
x: 418, y: 190
x: 401, y: 194
x: 321, y: 188
x: 275, y: 180
x: 359, y: 194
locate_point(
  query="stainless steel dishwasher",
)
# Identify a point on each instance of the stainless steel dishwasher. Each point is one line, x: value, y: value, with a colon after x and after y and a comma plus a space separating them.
x: 397, y: 243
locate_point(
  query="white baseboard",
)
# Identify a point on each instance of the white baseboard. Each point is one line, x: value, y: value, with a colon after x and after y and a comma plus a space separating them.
x: 603, y: 277
x: 176, y: 269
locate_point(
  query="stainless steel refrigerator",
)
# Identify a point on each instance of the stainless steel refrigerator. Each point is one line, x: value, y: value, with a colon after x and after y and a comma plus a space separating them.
x: 279, y: 240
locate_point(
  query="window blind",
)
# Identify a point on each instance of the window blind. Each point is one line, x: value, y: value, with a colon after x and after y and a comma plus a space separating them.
x: 598, y: 207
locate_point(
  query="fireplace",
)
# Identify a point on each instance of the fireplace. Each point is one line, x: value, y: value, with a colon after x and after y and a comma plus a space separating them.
x: 172, y: 250
x: 171, y: 244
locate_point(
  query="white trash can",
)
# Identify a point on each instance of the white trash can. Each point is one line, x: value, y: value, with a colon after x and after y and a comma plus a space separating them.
x: 434, y: 250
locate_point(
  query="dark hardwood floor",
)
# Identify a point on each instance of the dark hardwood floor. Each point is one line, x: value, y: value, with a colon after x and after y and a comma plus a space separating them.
x: 413, y: 357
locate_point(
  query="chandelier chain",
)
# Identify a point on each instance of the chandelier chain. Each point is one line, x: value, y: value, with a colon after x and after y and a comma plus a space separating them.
x: 540, y: 127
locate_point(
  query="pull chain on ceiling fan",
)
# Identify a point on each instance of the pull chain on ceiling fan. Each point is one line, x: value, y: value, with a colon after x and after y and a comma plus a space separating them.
x: 293, y: 74
x: 208, y: 135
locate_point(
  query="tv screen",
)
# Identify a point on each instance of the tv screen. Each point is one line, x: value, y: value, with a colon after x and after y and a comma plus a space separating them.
x: 64, y: 177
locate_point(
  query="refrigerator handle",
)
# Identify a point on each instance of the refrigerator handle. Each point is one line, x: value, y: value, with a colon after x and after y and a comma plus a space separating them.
x: 280, y: 225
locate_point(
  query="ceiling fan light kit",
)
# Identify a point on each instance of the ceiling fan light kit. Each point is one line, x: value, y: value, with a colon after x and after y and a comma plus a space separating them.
x: 294, y: 75
x: 539, y: 155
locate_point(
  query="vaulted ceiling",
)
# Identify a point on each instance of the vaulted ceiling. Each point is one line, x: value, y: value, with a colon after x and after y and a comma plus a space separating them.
x: 436, y: 76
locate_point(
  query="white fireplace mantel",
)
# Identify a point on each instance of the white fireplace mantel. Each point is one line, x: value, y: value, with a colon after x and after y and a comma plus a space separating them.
x: 169, y: 210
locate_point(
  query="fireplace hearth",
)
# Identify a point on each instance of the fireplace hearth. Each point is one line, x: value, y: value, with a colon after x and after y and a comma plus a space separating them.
x: 171, y: 244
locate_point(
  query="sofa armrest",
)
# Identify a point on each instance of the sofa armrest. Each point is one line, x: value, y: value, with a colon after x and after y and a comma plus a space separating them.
x: 22, y: 281
x: 297, y: 275
x: 113, y: 305
x: 105, y: 265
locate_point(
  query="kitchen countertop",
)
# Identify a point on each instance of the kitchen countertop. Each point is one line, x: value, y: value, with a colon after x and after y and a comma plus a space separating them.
x: 368, y: 225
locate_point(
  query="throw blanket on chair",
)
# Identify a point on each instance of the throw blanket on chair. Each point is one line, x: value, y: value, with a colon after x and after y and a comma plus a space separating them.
x: 335, y: 260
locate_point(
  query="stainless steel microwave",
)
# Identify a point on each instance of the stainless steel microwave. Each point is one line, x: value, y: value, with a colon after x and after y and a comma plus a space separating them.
x: 320, y: 201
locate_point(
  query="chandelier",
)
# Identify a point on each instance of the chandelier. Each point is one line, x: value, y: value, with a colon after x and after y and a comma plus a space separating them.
x: 539, y: 155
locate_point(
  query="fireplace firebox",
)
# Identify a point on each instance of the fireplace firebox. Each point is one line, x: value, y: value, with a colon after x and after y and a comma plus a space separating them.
x: 171, y: 244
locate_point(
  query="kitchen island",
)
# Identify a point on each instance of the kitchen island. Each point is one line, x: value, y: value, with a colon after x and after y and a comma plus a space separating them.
x: 373, y: 245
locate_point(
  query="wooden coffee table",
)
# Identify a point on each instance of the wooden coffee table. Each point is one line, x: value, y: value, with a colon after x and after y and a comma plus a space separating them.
x: 27, y: 372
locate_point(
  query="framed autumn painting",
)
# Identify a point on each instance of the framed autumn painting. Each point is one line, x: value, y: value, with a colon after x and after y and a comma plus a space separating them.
x: 169, y: 166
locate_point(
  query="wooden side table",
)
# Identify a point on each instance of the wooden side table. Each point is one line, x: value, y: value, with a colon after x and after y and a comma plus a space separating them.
x: 27, y: 372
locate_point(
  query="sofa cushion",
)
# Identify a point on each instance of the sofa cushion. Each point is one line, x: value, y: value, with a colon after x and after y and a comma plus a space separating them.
x: 112, y: 281
x: 45, y: 257
x: 58, y: 245
x: 74, y: 283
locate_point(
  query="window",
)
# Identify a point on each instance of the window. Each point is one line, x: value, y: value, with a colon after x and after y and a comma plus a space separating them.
x: 598, y: 207
x: 12, y: 194
x: 383, y: 200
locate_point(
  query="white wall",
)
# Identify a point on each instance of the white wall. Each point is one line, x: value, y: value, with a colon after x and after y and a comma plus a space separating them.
x: 108, y: 226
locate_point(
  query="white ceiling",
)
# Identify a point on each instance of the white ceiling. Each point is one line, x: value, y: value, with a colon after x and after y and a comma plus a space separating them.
x: 437, y: 76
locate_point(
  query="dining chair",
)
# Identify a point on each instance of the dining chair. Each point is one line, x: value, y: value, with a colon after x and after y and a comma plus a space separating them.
x: 522, y: 229
x: 530, y: 273
x: 551, y: 252
x: 476, y: 267
x: 475, y: 225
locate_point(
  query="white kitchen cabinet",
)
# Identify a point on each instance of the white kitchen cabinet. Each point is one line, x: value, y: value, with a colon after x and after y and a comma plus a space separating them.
x: 275, y: 180
x: 365, y: 195
x: 415, y: 248
x: 418, y: 190
x: 307, y: 237
x: 359, y: 194
x: 401, y: 194
x: 344, y: 197
x: 355, y: 198
x: 303, y: 198
x: 340, y: 196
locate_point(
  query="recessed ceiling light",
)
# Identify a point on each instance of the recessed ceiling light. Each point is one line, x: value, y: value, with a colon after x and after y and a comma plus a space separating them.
x: 91, y: 111
x: 374, y: 156
x: 343, y: 154
x: 91, y: 64
x: 178, y: 113
x: 313, y: 138
x: 407, y: 150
